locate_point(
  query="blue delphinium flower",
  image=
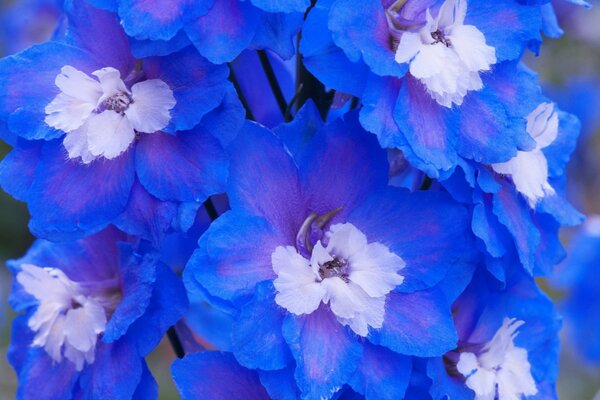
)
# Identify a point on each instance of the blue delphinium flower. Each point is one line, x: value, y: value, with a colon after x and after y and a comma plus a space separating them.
x: 92, y: 310
x: 103, y: 136
x: 578, y: 277
x: 519, y: 205
x: 508, y: 343
x: 219, y: 29
x: 347, y: 276
x: 437, y: 80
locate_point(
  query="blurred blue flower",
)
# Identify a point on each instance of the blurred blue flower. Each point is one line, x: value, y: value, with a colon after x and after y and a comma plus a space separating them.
x: 91, y: 311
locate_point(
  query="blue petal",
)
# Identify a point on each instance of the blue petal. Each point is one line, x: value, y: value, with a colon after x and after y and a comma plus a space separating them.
x: 234, y: 255
x: 281, y: 384
x: 418, y: 324
x: 327, y: 61
x: 363, y: 32
x: 228, y: 28
x: 326, y: 352
x: 148, y: 48
x: 430, y: 232
x: 145, y: 215
x: 187, y: 167
x: 18, y: 167
x: 147, y: 388
x: 261, y: 346
x: 159, y: 20
x: 68, y: 197
x: 382, y: 374
x: 41, y: 372
x: 277, y: 32
x: 507, y: 25
x: 138, y: 274
x: 284, y: 6
x: 198, y: 85
x: 215, y: 375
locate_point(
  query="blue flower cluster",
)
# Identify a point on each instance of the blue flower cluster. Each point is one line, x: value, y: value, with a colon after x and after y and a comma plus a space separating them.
x: 311, y: 200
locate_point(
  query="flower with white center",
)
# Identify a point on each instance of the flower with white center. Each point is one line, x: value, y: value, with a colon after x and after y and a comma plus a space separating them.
x: 67, y: 322
x: 529, y: 169
x: 350, y: 274
x: 500, y: 370
x: 446, y: 55
x: 101, y: 117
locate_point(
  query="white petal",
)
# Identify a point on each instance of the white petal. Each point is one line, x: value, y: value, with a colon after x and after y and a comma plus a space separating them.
x: 76, y: 144
x: 375, y: 270
x: 109, y: 134
x: 55, y: 339
x: 345, y: 240
x: 542, y: 125
x: 529, y: 172
x: 82, y: 325
x: 152, y: 102
x: 514, y: 378
x: 430, y: 61
x: 469, y: 43
x: 319, y: 256
x: 67, y: 113
x: 296, y: 285
x: 78, y: 85
x: 111, y: 83
x: 452, y: 12
x: 372, y: 315
x: 42, y: 285
x: 344, y: 298
x: 410, y: 44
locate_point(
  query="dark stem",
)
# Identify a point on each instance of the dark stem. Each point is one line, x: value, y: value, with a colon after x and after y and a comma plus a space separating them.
x: 211, y: 210
x: 273, y: 83
x: 238, y: 89
x: 175, y: 342
x: 426, y: 183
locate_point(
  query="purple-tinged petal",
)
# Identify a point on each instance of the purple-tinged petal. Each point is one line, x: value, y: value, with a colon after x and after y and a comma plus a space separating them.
x: 280, y: 385
x: 72, y: 197
x: 272, y: 190
x: 326, y: 352
x: 343, y: 165
x: 147, y: 388
x: 228, y: 28
x: 298, y: 134
x: 150, y: 48
x: 418, y: 324
x: 215, y: 375
x: 159, y: 19
x: 56, y: 380
x: 277, y: 32
x: 284, y: 6
x: 428, y: 129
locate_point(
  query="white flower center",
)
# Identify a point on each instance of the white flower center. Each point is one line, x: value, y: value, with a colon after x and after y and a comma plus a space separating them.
x: 350, y: 274
x: 501, y: 370
x: 529, y: 169
x: 446, y: 55
x: 101, y: 116
x: 67, y: 322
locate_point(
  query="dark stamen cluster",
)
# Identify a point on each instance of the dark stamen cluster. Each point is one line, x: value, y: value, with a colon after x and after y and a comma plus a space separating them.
x: 118, y: 103
x: 336, y: 267
x: 438, y: 37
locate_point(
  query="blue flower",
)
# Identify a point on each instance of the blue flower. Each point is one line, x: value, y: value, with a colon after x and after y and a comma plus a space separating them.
x: 519, y: 205
x: 104, y: 137
x: 91, y: 311
x: 440, y: 83
x: 220, y: 29
x: 577, y: 276
x: 343, y: 271
x: 508, y: 343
